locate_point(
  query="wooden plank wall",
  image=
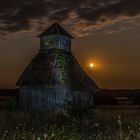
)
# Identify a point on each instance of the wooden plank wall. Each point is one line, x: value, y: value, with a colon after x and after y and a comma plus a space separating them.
x: 44, y: 98
x: 51, y: 98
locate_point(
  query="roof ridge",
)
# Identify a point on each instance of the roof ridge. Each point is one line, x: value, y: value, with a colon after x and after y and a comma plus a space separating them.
x: 55, y: 29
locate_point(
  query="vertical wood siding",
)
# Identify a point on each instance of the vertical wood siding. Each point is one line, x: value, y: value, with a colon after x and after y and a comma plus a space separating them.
x: 44, y: 98
x: 59, y: 41
x: 51, y: 98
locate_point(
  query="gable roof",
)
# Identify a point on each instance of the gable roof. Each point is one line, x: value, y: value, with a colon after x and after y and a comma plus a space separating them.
x: 55, y: 29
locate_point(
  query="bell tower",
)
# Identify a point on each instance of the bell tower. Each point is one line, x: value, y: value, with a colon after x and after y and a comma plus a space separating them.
x: 55, y: 37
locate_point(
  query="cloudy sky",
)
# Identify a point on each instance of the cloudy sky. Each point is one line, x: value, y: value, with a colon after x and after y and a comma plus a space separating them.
x: 107, y: 32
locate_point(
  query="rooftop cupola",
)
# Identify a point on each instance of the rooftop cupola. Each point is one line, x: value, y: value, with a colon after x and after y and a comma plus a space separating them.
x: 55, y: 37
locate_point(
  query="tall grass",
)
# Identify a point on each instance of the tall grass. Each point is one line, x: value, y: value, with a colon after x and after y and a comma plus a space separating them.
x: 17, y: 125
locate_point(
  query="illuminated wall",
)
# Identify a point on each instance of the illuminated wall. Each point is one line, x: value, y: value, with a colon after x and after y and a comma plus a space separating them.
x: 55, y: 41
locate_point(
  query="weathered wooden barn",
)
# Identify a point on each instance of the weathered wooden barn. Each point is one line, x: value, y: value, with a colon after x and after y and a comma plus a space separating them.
x: 54, y: 76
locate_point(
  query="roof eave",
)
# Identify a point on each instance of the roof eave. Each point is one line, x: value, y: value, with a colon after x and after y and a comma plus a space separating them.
x: 41, y: 35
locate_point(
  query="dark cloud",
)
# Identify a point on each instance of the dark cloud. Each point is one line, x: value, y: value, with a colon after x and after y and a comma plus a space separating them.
x: 110, y: 10
x: 16, y: 15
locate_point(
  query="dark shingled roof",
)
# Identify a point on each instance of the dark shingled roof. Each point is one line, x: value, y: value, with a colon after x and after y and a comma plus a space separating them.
x: 57, y: 67
x: 55, y: 29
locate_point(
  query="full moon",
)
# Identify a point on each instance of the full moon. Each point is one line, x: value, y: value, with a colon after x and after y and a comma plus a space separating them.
x: 91, y: 65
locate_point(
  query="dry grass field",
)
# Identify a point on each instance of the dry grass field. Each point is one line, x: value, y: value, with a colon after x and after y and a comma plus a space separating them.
x: 106, y: 123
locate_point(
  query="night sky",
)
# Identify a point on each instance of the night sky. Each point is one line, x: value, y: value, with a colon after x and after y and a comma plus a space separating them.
x: 106, y: 32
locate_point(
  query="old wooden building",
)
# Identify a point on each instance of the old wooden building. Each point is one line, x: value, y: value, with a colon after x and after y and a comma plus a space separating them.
x: 54, y: 76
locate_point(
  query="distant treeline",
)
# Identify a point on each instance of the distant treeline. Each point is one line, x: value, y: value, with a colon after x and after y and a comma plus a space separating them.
x: 102, y: 91
x: 103, y: 97
x: 118, y: 92
x: 9, y: 92
x: 118, y: 97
